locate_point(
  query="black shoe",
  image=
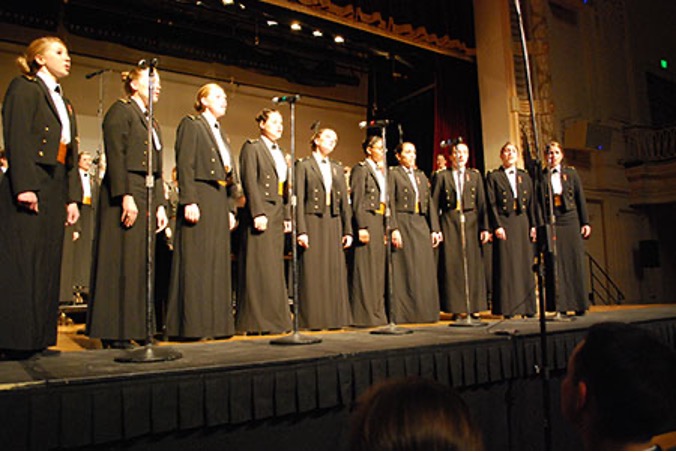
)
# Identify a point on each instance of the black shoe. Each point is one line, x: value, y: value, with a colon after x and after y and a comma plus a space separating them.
x: 507, y: 316
x: 47, y: 352
x: 17, y: 355
x: 475, y: 316
x: 580, y: 312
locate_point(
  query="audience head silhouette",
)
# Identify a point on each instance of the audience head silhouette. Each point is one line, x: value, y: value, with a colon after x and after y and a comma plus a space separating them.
x: 620, y: 387
x: 412, y: 414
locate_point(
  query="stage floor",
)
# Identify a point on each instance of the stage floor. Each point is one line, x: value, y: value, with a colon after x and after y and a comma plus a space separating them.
x: 247, y: 394
x: 83, y: 358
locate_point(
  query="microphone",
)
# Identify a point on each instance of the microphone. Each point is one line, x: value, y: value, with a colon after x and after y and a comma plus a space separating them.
x: 374, y: 123
x: 289, y: 98
x: 154, y: 63
x: 95, y: 73
x: 446, y: 143
x: 143, y: 63
x: 450, y: 142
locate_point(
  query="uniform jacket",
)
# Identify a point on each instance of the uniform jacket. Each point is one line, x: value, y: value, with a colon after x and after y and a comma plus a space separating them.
x: 126, y: 144
x: 503, y: 203
x: 312, y: 194
x: 403, y: 197
x: 445, y: 194
x: 259, y: 179
x: 198, y: 159
x: 32, y: 131
x: 365, y: 193
x: 572, y: 196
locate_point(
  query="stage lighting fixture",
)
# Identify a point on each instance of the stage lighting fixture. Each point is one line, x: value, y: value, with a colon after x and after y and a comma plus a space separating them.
x: 664, y: 64
x: 317, y: 34
x: 272, y: 23
x: 339, y: 39
x: 295, y: 26
x: 228, y: 2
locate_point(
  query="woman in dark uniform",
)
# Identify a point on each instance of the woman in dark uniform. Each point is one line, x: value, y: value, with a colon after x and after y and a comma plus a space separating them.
x: 415, y: 233
x: 572, y: 225
x: 117, y: 313
x: 512, y: 219
x: 37, y: 196
x: 262, y: 300
x: 367, y: 259
x: 200, y: 295
x: 324, y: 230
x: 455, y: 189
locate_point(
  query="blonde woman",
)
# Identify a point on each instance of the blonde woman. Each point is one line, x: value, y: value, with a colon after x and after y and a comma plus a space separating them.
x: 117, y: 311
x: 37, y: 197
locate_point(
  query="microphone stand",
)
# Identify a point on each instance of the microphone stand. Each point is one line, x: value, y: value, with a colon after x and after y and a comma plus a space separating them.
x: 295, y: 338
x: 99, y: 115
x: 468, y: 321
x: 547, y: 244
x: 391, y: 328
x: 150, y: 353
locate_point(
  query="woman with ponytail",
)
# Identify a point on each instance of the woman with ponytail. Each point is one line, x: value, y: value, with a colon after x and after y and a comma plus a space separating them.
x: 37, y: 198
x: 117, y: 310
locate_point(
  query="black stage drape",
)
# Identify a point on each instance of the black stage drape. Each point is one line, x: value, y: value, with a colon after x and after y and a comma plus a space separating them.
x: 253, y: 395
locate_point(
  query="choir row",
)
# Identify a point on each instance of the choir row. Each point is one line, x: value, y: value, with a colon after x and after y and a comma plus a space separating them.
x: 455, y: 214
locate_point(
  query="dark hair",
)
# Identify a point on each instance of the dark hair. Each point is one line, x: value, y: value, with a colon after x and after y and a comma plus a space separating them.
x: 631, y: 382
x: 552, y: 144
x: 412, y: 414
x: 264, y: 114
x: 400, y: 147
x: 370, y: 141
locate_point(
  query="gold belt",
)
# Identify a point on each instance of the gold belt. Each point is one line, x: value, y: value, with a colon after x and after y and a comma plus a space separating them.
x: 61, y: 154
x: 381, y: 209
x: 87, y: 200
x: 558, y: 201
x: 280, y: 188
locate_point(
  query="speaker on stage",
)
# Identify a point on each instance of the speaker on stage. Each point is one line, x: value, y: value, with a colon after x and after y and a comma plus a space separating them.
x: 586, y: 135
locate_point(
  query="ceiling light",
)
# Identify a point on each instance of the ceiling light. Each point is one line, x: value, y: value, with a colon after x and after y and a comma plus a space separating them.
x: 317, y: 34
x: 339, y: 39
x: 295, y: 26
x: 272, y: 23
x: 228, y: 2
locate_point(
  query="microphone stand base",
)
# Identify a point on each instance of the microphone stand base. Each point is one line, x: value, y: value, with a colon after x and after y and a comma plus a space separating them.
x: 468, y: 322
x: 296, y: 338
x: 392, y: 329
x: 149, y: 354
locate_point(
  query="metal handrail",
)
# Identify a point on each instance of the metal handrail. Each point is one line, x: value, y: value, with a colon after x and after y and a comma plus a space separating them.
x: 609, y: 292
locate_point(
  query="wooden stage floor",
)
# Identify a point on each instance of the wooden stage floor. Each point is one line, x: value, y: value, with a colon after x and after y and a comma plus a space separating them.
x: 71, y: 337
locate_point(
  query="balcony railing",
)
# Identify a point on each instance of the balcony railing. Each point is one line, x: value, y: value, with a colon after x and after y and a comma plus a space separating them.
x: 648, y: 144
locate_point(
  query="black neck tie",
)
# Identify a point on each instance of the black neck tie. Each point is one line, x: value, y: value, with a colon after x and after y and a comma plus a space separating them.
x: 57, y: 88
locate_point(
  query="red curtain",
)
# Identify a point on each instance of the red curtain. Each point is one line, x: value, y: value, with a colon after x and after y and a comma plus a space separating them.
x: 456, y: 108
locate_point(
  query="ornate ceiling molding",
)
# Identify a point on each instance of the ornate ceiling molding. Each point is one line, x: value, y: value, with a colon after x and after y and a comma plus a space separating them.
x: 375, y: 23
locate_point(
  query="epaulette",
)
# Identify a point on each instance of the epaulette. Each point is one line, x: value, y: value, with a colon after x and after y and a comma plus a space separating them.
x: 473, y: 170
x: 124, y: 100
x: 29, y: 77
x: 252, y: 140
x: 193, y: 117
x: 362, y: 163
